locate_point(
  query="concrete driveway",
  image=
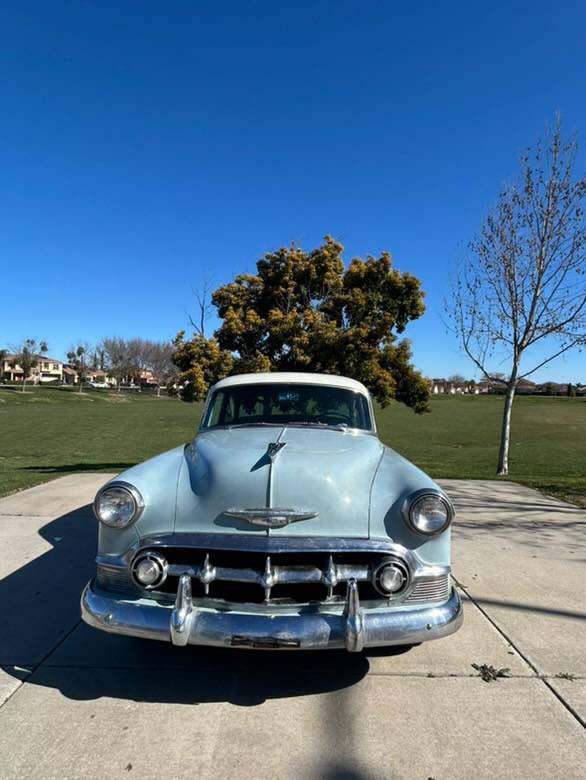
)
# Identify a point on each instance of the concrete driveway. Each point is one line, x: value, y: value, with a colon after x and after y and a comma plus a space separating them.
x: 78, y: 703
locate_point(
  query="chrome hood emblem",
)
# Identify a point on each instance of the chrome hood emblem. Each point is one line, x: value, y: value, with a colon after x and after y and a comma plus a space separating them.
x: 270, y: 517
x: 274, y: 448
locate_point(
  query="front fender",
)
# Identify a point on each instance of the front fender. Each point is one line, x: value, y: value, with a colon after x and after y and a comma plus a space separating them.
x: 156, y: 479
x: 396, y: 479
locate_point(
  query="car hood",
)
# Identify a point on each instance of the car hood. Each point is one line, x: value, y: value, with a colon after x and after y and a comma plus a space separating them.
x: 327, y: 472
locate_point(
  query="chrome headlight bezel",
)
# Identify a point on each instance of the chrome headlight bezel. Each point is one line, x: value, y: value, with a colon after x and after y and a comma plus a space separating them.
x: 411, y: 503
x: 132, y: 492
x: 160, y: 563
x: 397, y: 563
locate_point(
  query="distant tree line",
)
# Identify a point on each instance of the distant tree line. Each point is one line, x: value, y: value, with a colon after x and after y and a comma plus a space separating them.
x: 127, y: 361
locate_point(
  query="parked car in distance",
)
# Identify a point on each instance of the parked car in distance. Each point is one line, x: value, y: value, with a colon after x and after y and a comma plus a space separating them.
x: 99, y: 385
x: 285, y: 523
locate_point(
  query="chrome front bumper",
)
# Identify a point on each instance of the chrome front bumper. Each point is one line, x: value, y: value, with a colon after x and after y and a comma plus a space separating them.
x: 351, y: 626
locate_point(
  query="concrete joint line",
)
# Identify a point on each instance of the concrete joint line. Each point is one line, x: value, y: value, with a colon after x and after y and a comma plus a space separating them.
x: 532, y: 666
x: 34, y: 667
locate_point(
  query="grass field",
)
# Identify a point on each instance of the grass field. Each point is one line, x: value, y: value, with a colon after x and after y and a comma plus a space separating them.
x: 48, y: 432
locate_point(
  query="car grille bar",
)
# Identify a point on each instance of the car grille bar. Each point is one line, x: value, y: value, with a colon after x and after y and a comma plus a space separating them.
x: 274, y: 575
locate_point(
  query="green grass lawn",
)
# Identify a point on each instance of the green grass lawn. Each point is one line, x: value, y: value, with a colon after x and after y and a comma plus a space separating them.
x: 49, y: 432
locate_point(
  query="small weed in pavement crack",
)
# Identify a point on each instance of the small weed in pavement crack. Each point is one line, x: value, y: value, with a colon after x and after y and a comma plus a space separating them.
x: 566, y: 676
x: 489, y: 673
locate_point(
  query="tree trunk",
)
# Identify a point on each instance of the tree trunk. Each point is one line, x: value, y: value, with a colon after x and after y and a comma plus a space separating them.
x: 503, y: 465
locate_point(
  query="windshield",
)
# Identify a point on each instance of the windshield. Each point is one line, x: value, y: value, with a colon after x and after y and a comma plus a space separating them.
x: 287, y: 404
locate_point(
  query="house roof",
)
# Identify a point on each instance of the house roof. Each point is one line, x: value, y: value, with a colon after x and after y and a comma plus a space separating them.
x: 37, y: 357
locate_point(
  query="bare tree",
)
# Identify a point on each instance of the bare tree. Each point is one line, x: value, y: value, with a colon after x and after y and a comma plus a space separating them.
x: 203, y: 299
x: 27, y: 356
x: 160, y: 363
x: 117, y: 358
x: 137, y: 350
x: 98, y: 359
x: 523, y: 280
x: 130, y: 359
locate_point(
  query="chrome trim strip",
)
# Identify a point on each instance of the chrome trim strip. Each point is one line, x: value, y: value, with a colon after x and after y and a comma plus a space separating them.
x: 333, y: 628
x: 254, y: 542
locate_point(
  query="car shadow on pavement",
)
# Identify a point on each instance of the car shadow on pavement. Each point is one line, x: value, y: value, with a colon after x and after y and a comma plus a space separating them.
x: 42, y: 632
x: 77, y: 468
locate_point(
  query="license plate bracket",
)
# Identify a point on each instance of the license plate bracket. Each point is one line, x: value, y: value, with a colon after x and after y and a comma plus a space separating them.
x: 264, y: 642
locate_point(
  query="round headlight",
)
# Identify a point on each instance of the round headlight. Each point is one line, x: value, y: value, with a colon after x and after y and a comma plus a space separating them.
x: 429, y: 513
x: 118, y: 505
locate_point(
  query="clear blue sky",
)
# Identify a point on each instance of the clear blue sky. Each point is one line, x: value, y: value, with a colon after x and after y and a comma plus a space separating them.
x: 145, y: 145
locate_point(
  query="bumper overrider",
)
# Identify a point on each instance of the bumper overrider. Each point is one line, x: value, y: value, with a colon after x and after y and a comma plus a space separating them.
x: 349, y: 625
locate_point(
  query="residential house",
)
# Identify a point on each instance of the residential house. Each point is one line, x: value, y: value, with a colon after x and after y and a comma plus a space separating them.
x: 552, y: 388
x: 71, y: 376
x: 444, y: 386
x: 47, y: 370
x: 98, y: 375
x: 526, y: 387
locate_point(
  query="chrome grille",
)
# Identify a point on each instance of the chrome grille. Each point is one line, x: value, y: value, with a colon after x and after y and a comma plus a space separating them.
x: 114, y: 578
x: 244, y: 576
x: 430, y: 589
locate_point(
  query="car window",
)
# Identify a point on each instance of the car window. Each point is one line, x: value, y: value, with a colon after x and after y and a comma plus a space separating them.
x: 282, y: 403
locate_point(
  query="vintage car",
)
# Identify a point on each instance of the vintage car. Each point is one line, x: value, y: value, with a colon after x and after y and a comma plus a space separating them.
x: 285, y: 523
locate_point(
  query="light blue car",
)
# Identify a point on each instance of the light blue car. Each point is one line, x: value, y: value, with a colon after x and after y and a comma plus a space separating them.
x: 285, y: 523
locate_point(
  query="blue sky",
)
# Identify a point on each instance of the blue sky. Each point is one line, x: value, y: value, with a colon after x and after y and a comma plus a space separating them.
x: 147, y: 145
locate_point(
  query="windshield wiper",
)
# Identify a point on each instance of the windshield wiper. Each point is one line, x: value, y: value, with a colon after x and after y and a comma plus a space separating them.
x: 299, y: 423
x: 319, y: 424
x: 255, y: 424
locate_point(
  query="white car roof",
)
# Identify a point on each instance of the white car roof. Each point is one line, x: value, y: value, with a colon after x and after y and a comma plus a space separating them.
x: 292, y: 377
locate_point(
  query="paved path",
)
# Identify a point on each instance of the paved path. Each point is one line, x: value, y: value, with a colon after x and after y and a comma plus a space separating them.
x: 77, y: 703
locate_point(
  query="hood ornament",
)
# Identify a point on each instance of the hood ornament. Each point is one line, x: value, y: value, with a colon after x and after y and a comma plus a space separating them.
x: 270, y: 517
x: 274, y: 448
